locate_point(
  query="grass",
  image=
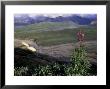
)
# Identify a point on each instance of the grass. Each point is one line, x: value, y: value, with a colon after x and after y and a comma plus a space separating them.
x: 47, y: 26
x: 47, y: 38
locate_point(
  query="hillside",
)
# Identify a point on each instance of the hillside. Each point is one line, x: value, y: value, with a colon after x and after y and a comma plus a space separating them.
x: 44, y: 35
x: 49, y: 26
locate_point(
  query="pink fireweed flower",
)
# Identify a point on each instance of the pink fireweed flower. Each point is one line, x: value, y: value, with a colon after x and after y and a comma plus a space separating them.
x: 80, y: 36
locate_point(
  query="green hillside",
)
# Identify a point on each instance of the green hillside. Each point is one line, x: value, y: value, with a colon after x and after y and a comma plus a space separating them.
x: 47, y: 26
x: 62, y: 33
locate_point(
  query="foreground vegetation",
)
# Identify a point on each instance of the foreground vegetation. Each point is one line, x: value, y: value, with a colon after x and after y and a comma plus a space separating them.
x: 79, y: 66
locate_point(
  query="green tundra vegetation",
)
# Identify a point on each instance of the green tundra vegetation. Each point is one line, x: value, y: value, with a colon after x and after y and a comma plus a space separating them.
x: 53, y: 37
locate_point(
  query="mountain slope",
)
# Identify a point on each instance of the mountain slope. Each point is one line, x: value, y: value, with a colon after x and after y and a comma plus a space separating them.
x: 49, y: 26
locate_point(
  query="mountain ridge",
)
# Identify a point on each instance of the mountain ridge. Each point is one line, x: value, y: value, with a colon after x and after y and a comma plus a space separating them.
x: 25, y: 19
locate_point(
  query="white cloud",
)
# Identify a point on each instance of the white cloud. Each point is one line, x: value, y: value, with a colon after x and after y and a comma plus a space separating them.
x: 32, y: 15
x: 86, y: 15
x: 82, y: 15
x: 50, y: 15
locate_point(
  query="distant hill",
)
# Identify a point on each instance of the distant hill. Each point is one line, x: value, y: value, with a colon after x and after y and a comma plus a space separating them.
x: 26, y: 19
x: 49, y: 26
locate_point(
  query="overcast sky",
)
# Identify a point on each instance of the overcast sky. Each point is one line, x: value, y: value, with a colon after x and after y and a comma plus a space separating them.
x: 53, y: 15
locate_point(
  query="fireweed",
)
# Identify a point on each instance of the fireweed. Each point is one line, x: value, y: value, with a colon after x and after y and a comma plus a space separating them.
x: 80, y: 62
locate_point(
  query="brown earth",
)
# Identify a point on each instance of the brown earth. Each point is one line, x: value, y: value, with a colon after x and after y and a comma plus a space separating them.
x: 61, y: 51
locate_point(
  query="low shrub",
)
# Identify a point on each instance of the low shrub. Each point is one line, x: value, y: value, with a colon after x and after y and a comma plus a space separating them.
x: 20, y: 71
x: 80, y: 65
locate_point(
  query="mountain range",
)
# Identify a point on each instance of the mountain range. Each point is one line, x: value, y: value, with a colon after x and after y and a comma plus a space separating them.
x: 27, y: 19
